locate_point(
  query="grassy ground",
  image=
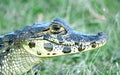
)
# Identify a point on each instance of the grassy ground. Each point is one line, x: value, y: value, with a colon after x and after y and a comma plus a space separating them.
x: 87, y: 16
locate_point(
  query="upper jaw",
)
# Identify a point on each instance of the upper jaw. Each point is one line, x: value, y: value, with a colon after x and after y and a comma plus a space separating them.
x: 69, y: 45
x: 81, y: 42
x: 78, y: 39
x: 85, y: 42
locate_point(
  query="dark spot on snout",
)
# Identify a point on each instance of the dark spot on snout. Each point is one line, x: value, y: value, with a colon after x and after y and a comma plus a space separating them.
x: 66, y: 49
x: 38, y: 53
x: 54, y: 54
x: 76, y: 43
x: 48, y: 46
x: 93, y: 44
x: 81, y: 47
x: 31, y: 44
x: 48, y: 53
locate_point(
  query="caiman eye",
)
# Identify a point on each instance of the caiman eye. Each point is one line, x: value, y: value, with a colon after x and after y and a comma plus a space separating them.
x: 56, y: 28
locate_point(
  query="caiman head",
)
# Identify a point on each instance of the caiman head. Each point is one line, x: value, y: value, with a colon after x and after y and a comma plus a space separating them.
x: 57, y: 38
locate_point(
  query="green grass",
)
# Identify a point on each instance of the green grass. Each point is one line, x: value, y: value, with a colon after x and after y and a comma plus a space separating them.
x: 16, y: 14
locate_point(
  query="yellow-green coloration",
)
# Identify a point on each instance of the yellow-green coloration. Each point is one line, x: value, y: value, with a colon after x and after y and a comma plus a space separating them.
x: 23, y: 49
x: 40, y: 51
x: 87, y: 16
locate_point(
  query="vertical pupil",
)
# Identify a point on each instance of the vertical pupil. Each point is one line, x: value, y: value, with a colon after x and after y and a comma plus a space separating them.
x: 55, y: 27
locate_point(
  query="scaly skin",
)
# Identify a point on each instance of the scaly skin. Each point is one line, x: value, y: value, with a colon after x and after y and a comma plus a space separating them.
x: 22, y: 49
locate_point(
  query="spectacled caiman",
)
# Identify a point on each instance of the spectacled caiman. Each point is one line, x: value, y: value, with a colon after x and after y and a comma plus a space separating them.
x: 24, y: 48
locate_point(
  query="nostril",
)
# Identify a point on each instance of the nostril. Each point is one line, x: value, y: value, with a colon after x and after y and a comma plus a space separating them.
x: 100, y: 34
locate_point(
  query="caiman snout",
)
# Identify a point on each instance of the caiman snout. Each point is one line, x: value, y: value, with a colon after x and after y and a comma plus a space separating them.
x: 57, y: 38
x: 89, y: 42
x: 102, y: 35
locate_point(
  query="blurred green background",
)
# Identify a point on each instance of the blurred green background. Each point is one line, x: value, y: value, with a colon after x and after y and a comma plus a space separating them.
x: 87, y: 16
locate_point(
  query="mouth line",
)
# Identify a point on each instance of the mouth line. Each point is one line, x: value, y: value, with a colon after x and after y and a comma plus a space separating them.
x: 101, y: 42
x: 83, y: 44
x: 46, y: 48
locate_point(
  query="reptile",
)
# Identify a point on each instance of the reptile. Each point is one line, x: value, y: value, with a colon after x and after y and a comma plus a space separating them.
x: 24, y: 48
